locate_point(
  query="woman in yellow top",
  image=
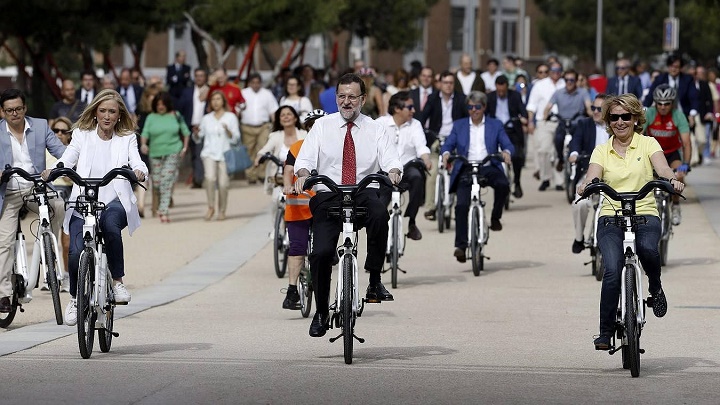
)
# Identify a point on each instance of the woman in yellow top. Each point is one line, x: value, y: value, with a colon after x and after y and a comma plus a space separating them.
x: 626, y: 163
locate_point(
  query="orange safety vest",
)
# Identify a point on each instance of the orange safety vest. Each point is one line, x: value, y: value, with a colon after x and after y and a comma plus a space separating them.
x: 297, y: 207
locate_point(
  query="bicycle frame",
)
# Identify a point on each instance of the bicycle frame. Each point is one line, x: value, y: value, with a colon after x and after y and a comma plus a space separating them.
x: 93, y: 239
x: 396, y: 211
x: 38, y: 261
x: 632, y: 260
x: 477, y: 202
x: 348, y: 250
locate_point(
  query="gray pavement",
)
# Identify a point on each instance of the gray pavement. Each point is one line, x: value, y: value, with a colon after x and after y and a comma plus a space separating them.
x: 520, y: 333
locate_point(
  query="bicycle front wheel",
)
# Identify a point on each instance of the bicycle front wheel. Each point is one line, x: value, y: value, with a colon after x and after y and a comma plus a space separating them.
x: 440, y: 206
x: 569, y: 183
x: 476, y: 255
x: 105, y: 335
x: 395, y: 249
x: 305, y: 291
x: 346, y: 304
x: 632, y: 327
x: 51, y: 276
x: 7, y: 317
x: 85, y: 312
x: 280, y: 249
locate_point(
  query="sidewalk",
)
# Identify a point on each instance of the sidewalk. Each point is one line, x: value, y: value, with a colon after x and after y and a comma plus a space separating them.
x: 705, y: 181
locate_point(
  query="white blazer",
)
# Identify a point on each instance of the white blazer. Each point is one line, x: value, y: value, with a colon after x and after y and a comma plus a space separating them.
x: 80, y: 154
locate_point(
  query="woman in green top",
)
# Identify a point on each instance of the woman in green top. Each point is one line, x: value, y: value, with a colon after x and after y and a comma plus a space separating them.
x: 161, y: 130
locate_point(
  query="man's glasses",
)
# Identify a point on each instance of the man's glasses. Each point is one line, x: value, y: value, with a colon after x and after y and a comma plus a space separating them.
x: 62, y: 131
x: 542, y: 72
x: 664, y: 103
x: 595, y: 109
x: 16, y: 110
x: 625, y: 117
x: 471, y: 107
x: 571, y: 80
x: 621, y: 67
x: 350, y: 97
x: 555, y: 70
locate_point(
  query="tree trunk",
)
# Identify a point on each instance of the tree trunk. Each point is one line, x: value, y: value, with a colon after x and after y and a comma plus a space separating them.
x: 202, y: 55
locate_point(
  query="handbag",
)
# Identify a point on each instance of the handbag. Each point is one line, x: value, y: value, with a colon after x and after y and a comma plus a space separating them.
x: 237, y: 159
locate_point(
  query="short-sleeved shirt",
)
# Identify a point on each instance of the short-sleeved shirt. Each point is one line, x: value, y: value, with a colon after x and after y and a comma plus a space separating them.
x: 570, y: 105
x: 666, y: 129
x: 628, y: 174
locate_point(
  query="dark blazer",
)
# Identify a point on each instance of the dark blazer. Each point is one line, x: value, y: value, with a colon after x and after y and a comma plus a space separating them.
x: 415, y: 96
x: 185, y: 105
x: 78, y: 94
x: 177, y: 80
x: 39, y: 138
x: 138, y: 93
x: 516, y: 109
x: 477, y: 85
x: 432, y: 112
x: 583, y: 140
x: 459, y: 141
x: 705, y: 102
x: 634, y: 86
x: 687, y: 93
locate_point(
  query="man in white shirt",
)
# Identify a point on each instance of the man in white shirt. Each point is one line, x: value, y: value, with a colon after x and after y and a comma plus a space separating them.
x: 466, y: 79
x: 491, y: 74
x: 332, y: 146
x: 409, y: 138
x: 542, y: 130
x: 257, y: 117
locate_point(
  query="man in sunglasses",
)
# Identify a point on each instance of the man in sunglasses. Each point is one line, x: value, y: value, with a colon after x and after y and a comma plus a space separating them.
x: 409, y: 138
x: 475, y: 138
x: 624, y: 82
x: 590, y: 132
x: 666, y: 122
x: 23, y: 141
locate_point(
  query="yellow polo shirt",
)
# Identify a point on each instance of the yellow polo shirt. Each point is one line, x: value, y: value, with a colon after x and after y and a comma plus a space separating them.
x: 630, y: 173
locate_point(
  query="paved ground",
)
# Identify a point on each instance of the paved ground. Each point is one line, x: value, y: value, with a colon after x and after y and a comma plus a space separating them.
x: 521, y: 332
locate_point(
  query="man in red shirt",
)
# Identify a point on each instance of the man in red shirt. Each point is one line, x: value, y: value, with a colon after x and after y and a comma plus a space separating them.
x: 232, y: 92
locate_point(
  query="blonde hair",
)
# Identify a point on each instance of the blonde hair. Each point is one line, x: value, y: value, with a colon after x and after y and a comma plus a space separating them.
x: 151, y: 91
x: 64, y: 120
x: 629, y: 103
x: 87, y: 121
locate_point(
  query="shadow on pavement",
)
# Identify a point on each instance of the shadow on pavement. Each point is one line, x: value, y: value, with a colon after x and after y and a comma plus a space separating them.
x: 372, y: 354
x: 160, y: 348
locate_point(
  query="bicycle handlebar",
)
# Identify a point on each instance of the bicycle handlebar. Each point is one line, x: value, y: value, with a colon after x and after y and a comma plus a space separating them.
x: 315, y: 179
x: 597, y: 186
x: 464, y: 160
x: 273, y: 158
x: 9, y: 171
x: 124, y: 171
x: 416, y: 163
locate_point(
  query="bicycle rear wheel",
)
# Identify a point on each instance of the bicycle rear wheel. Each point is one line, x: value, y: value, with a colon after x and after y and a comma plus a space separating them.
x: 632, y: 328
x: 305, y: 291
x: 7, y: 318
x: 51, y: 276
x: 599, y: 265
x: 476, y: 255
x: 395, y: 249
x: 440, y: 206
x: 280, y: 250
x: 348, y: 317
x: 105, y: 335
x: 665, y: 224
x: 85, y: 313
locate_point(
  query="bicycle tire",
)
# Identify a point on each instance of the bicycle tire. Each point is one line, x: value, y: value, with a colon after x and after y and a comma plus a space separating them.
x: 568, y: 183
x: 632, y: 328
x: 666, y: 225
x: 448, y: 217
x: 105, y: 335
x: 51, y: 276
x: 475, y: 244
x: 347, y: 311
x: 395, y: 249
x: 280, y: 252
x: 440, y: 206
x: 600, y: 263
x: 85, y: 313
x: 7, y: 317
x: 305, y: 294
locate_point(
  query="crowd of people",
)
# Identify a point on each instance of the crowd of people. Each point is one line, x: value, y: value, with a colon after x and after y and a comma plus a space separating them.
x: 362, y: 121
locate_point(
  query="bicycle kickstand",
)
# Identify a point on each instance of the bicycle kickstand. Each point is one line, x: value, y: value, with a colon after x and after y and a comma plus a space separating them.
x: 358, y: 338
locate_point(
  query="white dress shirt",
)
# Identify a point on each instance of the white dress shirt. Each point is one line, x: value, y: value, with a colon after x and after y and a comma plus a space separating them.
x: 323, y: 148
x: 489, y: 80
x: 447, y: 119
x: 21, y: 159
x: 198, y: 110
x: 409, y: 138
x: 601, y: 135
x: 477, y: 150
x: 259, y: 108
x: 540, y: 94
x: 86, y: 96
x: 216, y: 141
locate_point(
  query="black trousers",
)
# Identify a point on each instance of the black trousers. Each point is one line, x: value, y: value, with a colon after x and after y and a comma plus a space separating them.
x: 198, y: 170
x: 326, y: 231
x: 413, y: 181
x: 495, y: 179
x: 517, y: 137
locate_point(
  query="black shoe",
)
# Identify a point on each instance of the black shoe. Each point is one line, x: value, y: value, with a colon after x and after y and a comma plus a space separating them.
x: 578, y: 246
x: 602, y: 342
x: 544, y: 185
x: 292, y: 299
x: 559, y: 188
x: 460, y: 255
x: 517, y: 193
x: 536, y: 174
x: 414, y: 232
x: 196, y: 185
x: 378, y: 292
x: 319, y: 325
x: 659, y: 304
x: 430, y: 215
x: 495, y: 225
x: 559, y: 166
x: 5, y: 305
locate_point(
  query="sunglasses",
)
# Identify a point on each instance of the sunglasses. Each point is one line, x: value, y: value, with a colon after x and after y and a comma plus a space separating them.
x: 624, y: 117
x: 595, y: 109
x: 542, y: 72
x: 664, y: 103
x: 621, y: 67
x: 471, y: 107
x: 409, y: 107
x: 62, y: 131
x: 571, y: 80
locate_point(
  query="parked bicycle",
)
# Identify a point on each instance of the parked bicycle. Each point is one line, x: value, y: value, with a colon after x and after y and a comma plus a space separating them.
x: 281, y: 239
x: 45, y: 250
x: 95, y: 298
x: 631, y: 309
x: 348, y: 305
x: 478, y: 230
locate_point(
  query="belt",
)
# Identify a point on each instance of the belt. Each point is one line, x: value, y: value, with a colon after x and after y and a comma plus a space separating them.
x: 257, y: 126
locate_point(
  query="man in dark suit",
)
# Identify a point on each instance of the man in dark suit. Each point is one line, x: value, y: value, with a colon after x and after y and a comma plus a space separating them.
x: 192, y: 106
x: 88, y: 87
x: 442, y: 108
x: 421, y: 94
x: 624, y: 82
x: 682, y: 83
x: 130, y: 92
x: 507, y: 106
x: 474, y: 139
x: 177, y: 77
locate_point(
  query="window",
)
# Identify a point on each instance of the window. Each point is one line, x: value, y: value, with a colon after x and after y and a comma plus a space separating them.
x: 457, y: 28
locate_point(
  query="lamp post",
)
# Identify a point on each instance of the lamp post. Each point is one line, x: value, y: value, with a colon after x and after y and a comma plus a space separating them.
x: 598, y: 35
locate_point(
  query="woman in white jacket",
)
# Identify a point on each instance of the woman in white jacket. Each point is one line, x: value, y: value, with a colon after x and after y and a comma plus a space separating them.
x: 286, y: 131
x: 103, y: 139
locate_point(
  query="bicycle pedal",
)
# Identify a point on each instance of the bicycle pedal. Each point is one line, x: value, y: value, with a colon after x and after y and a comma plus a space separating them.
x: 372, y: 300
x: 332, y: 340
x: 120, y: 303
x: 642, y: 351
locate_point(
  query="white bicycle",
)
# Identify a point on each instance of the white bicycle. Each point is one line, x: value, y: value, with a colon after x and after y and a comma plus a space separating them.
x: 281, y: 239
x: 444, y: 201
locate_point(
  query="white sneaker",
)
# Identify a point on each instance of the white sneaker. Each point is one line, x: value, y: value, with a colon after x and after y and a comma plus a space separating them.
x: 676, y: 215
x: 65, y: 285
x: 44, y: 287
x: 122, y: 295
x: 71, y: 313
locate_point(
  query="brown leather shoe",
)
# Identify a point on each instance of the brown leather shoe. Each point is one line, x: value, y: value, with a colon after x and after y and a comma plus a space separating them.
x: 413, y: 232
x: 460, y: 255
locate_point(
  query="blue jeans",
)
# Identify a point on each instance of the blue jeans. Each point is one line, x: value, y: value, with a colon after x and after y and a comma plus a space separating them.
x: 112, y: 221
x: 610, y: 242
